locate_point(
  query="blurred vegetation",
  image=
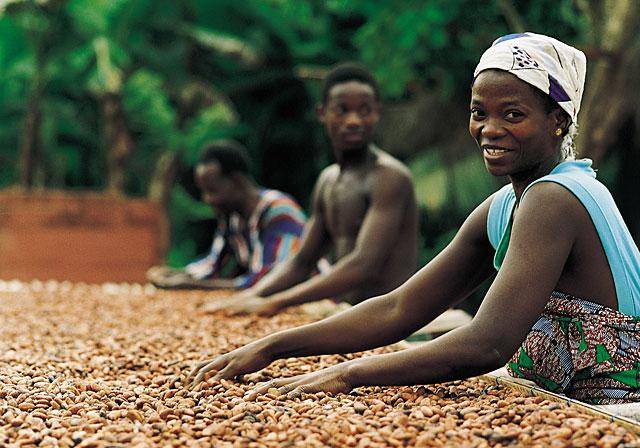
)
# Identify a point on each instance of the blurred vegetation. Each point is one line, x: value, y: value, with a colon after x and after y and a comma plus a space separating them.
x: 119, y: 95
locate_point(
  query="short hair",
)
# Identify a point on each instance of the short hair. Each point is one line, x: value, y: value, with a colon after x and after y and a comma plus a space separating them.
x: 229, y: 154
x: 345, y: 72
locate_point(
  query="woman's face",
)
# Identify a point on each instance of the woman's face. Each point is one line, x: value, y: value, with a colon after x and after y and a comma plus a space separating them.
x: 512, y: 128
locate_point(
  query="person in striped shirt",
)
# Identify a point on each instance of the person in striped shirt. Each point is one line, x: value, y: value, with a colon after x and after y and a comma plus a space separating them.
x: 257, y: 227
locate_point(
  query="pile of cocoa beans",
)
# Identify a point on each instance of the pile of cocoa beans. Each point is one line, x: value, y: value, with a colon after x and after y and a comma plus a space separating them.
x: 105, y: 365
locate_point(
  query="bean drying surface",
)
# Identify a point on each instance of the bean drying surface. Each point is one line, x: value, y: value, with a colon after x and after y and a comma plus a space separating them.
x: 103, y: 366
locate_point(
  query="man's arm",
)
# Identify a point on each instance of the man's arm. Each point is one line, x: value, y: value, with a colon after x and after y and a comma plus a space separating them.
x: 279, y: 238
x: 197, y: 273
x: 390, y: 196
x: 299, y: 266
x: 212, y: 263
x: 450, y: 277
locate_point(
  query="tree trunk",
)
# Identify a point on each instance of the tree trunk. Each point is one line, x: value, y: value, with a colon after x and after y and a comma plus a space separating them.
x: 119, y: 143
x: 613, y: 73
x: 510, y: 14
x: 162, y: 181
x: 627, y: 181
x: 117, y: 138
x: 30, y: 144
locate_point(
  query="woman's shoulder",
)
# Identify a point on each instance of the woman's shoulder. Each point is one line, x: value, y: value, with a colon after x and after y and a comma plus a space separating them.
x: 549, y: 197
x: 574, y: 181
x: 575, y: 175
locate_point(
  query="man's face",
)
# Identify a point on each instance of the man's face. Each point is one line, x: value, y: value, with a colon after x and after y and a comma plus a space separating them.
x: 350, y: 115
x: 217, y: 189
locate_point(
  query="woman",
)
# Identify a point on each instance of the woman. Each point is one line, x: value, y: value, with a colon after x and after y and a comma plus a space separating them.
x: 568, y: 281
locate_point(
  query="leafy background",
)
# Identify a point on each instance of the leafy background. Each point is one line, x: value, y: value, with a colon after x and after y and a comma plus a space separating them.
x: 119, y: 95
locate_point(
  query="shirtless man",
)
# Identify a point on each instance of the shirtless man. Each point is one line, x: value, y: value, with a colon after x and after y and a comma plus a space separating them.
x: 364, y: 211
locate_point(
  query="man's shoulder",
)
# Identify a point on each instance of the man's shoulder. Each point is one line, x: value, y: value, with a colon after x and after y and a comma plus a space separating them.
x: 330, y: 171
x: 276, y: 198
x: 391, y: 175
x: 277, y: 204
x: 387, y: 165
x: 327, y: 175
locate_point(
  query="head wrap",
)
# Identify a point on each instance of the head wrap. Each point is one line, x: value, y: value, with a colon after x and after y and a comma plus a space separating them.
x: 555, y: 68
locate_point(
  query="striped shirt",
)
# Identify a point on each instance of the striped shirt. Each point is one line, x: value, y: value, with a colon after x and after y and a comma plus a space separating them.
x: 272, y: 233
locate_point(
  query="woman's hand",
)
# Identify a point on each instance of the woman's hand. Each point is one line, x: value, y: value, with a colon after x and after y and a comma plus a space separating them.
x: 333, y: 379
x: 246, y: 359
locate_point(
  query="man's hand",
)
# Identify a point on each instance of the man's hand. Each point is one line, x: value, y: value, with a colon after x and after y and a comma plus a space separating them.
x: 333, y: 380
x: 247, y: 359
x: 243, y: 304
x: 164, y: 277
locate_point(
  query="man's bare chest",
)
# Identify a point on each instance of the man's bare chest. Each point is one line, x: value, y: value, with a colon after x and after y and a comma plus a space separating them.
x: 345, y: 202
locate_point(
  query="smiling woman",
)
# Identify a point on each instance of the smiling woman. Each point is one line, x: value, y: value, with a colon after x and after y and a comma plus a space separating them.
x: 510, y: 124
x: 554, y: 234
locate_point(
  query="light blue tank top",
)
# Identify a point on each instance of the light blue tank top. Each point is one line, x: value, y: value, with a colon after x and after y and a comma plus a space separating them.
x: 621, y: 251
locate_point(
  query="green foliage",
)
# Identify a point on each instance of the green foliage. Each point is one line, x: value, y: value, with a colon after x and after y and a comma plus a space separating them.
x: 184, y: 212
x: 561, y: 19
x: 14, y: 68
x: 437, y: 42
x: 189, y: 71
x: 95, y: 17
x: 466, y: 183
x: 149, y: 111
x: 213, y: 123
x: 447, y: 195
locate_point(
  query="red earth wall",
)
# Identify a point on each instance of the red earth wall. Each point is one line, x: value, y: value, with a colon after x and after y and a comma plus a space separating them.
x: 78, y: 236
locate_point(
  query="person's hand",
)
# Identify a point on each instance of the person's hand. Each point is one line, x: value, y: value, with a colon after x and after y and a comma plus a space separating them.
x: 243, y: 304
x: 333, y: 380
x: 253, y: 305
x: 163, y: 277
x: 247, y: 359
x: 219, y: 305
x: 223, y: 304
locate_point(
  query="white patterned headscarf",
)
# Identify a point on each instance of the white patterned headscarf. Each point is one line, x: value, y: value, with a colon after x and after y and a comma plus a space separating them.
x: 555, y: 68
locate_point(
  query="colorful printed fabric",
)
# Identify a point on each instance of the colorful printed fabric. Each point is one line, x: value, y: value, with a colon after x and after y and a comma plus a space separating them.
x: 272, y: 233
x: 582, y: 349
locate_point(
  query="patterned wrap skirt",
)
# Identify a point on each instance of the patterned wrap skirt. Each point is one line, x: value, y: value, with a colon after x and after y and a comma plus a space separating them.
x: 584, y: 350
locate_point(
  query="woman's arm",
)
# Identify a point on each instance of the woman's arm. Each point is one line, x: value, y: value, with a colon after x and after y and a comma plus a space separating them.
x: 449, y: 278
x: 543, y: 234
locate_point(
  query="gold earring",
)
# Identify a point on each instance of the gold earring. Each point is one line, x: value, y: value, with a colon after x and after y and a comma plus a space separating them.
x: 559, y: 132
